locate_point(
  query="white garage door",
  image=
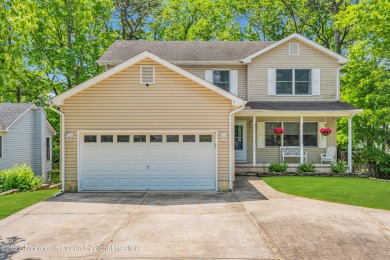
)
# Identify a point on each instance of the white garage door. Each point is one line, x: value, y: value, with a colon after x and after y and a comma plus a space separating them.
x: 153, y: 161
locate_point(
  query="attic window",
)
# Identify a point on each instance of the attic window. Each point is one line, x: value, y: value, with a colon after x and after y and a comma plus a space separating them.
x: 147, y: 75
x: 294, y: 48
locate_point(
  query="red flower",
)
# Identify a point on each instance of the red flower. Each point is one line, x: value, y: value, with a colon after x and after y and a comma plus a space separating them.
x: 278, y: 130
x: 325, y: 130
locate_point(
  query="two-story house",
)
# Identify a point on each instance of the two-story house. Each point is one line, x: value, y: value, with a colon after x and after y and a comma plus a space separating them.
x: 184, y: 115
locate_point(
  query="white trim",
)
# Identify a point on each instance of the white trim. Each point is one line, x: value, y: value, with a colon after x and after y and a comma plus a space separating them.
x: 231, y: 146
x: 50, y: 127
x: 254, y: 140
x: 81, y: 133
x: 350, y: 169
x: 19, y: 117
x: 315, y: 45
x: 141, y: 74
x: 59, y: 100
x: 244, y: 125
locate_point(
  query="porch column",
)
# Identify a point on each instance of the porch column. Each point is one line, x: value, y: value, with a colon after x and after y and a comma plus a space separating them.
x: 254, y: 140
x: 350, y: 144
x: 301, y: 138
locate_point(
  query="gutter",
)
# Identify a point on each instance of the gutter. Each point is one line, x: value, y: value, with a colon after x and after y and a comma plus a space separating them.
x: 231, y: 114
x: 62, y: 143
x: 338, y: 82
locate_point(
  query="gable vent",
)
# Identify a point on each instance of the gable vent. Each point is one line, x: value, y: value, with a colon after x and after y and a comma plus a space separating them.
x: 147, y: 74
x: 294, y: 48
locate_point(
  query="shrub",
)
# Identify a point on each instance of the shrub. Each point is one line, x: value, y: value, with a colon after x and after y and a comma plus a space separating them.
x: 55, y: 176
x: 278, y: 167
x: 340, y: 167
x: 306, y: 167
x: 19, y: 177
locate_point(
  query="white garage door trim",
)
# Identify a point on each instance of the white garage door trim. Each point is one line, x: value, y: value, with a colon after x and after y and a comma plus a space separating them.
x: 81, y: 133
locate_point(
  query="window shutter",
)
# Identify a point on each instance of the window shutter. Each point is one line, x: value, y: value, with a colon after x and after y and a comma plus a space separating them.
x: 321, y: 139
x: 271, y: 81
x: 208, y: 75
x: 316, y: 82
x: 234, y: 82
x: 260, y: 138
x: 147, y: 75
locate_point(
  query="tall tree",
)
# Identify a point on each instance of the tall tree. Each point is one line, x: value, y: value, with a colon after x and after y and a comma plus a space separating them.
x: 315, y: 19
x: 69, y: 37
x: 133, y: 16
x: 367, y: 75
x: 195, y: 20
x: 18, y: 82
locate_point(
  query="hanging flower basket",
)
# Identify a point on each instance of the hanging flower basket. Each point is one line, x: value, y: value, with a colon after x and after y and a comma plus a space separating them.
x: 278, y: 131
x: 325, y: 131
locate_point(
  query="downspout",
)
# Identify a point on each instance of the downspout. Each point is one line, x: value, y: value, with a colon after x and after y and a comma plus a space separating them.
x: 231, y: 141
x: 338, y: 82
x: 62, y: 134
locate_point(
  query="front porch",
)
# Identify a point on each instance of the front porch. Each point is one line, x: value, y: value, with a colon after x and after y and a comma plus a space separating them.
x: 249, y: 169
x: 256, y: 145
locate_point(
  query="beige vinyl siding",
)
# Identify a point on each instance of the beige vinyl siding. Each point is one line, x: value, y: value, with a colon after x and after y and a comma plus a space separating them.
x: 279, y: 58
x: 122, y: 103
x: 242, y: 74
x: 272, y: 154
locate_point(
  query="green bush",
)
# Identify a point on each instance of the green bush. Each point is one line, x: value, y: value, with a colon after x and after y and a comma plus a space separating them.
x: 278, y: 167
x: 19, y: 177
x: 340, y: 167
x: 307, y: 167
x: 55, y: 176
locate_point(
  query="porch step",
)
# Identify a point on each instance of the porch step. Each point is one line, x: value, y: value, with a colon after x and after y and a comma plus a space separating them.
x: 246, y: 173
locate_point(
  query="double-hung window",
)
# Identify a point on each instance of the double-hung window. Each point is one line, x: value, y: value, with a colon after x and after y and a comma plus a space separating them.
x: 221, y: 78
x: 48, y: 148
x: 293, y: 82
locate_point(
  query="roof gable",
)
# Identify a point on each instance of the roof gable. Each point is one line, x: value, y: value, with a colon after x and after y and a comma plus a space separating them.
x: 315, y: 45
x: 10, y: 113
x: 59, y: 100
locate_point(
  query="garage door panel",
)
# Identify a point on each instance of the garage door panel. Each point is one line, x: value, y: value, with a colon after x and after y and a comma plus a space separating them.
x: 124, y: 166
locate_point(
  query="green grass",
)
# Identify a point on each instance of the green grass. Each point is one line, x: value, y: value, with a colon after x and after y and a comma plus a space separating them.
x: 11, y: 204
x: 352, y: 191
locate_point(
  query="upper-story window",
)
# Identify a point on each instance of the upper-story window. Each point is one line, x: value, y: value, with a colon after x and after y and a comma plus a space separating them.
x: 224, y: 78
x: 221, y: 78
x: 293, y: 82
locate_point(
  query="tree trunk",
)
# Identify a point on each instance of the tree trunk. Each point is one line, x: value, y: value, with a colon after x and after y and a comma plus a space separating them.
x: 18, y: 95
x: 337, y: 37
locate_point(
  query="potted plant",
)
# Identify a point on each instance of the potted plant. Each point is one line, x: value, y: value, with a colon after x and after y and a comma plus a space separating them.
x: 278, y: 131
x: 325, y: 131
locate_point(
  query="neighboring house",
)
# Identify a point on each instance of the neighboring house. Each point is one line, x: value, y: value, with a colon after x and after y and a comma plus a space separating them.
x: 25, y: 137
x: 184, y: 115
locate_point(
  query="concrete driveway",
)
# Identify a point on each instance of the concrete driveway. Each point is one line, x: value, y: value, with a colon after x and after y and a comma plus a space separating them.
x: 254, y: 222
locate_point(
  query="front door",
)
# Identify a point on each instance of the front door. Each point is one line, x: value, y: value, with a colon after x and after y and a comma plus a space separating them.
x: 240, y: 141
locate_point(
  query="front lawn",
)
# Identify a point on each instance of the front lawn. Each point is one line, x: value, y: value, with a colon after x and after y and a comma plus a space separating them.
x: 11, y: 204
x: 352, y: 191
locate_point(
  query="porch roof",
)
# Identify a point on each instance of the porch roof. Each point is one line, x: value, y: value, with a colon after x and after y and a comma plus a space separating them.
x: 331, y: 108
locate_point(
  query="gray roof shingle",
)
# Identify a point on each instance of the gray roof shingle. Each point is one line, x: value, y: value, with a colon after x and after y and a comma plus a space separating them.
x: 301, y: 106
x: 184, y: 50
x: 9, y: 112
